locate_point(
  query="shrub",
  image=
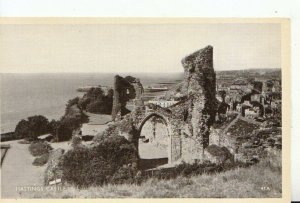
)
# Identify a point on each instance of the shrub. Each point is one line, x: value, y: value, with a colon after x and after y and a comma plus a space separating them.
x: 76, y: 141
x: 96, y: 107
x: 126, y: 124
x: 72, y: 102
x: 95, y: 101
x: 100, y: 164
x: 62, y: 130
x: 103, y: 106
x: 42, y: 160
x: 126, y: 174
x: 110, y: 131
x: 33, y: 127
x: 39, y: 148
x: 22, y: 128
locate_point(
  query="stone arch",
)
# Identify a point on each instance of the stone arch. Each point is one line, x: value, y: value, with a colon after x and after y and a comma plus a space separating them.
x: 145, y: 119
x: 168, y: 125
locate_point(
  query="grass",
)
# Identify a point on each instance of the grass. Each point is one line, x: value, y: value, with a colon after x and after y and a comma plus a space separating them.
x: 236, y: 183
x: 98, y: 119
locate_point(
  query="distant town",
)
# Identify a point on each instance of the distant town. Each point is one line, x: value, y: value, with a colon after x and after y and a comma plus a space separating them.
x: 254, y: 93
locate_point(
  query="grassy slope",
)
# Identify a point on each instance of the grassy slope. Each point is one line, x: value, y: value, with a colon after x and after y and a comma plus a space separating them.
x: 241, y: 182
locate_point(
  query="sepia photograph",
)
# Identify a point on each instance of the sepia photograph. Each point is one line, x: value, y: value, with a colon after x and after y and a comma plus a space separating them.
x: 143, y: 108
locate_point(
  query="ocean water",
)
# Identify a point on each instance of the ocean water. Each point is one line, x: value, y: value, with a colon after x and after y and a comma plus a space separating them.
x: 24, y: 95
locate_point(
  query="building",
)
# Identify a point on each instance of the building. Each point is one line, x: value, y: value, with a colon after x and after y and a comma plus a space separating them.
x: 163, y: 103
x: 252, y: 112
x: 239, y: 84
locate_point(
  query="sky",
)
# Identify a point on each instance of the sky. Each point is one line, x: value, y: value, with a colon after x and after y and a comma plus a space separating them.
x: 135, y: 47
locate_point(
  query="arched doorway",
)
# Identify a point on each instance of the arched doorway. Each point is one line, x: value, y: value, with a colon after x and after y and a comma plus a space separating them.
x: 155, y: 141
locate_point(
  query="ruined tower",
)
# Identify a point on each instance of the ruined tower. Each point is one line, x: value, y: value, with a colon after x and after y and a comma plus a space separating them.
x: 200, y: 87
x: 125, y: 89
x: 139, y: 90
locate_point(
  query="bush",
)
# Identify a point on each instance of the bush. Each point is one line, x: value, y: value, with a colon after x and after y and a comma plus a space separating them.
x: 62, y: 130
x: 125, y: 174
x: 103, y: 106
x: 95, y: 107
x: 39, y: 148
x: 100, y: 164
x: 31, y: 128
x: 42, y: 160
x: 95, y: 101
x: 72, y: 102
x: 109, y: 132
x: 76, y: 141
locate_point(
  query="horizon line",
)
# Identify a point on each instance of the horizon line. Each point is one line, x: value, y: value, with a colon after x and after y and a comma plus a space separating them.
x: 77, y: 72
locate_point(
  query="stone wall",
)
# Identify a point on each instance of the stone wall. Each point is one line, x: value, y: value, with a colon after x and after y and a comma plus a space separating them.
x: 190, y: 120
x: 125, y: 89
x: 200, y: 87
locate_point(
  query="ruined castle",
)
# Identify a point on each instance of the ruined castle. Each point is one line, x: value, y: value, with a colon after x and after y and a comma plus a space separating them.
x: 188, y: 122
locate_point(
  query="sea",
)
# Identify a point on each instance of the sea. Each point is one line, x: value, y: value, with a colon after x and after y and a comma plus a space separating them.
x: 29, y: 94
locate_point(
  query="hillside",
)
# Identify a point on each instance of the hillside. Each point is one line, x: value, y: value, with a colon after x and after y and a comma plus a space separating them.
x: 260, y: 181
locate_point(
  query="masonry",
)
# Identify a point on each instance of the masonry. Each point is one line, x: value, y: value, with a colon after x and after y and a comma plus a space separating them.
x: 189, y: 120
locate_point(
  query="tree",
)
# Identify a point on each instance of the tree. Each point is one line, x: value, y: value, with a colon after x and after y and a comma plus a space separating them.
x: 38, y: 125
x: 72, y: 102
x: 63, y: 132
x: 95, y: 101
x: 53, y: 125
x: 60, y: 130
x: 83, y: 102
x: 33, y: 127
x: 95, y: 93
x: 22, y: 129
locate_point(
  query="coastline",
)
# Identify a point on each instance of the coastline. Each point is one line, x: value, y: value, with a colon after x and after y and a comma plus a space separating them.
x: 49, y: 93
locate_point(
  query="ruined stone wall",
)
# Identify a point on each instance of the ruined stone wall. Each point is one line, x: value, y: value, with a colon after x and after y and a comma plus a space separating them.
x: 200, y: 87
x: 139, y: 90
x: 189, y: 121
x: 125, y: 89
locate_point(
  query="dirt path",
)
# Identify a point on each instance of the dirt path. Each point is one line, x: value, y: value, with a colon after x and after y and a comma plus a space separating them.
x: 17, y: 171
